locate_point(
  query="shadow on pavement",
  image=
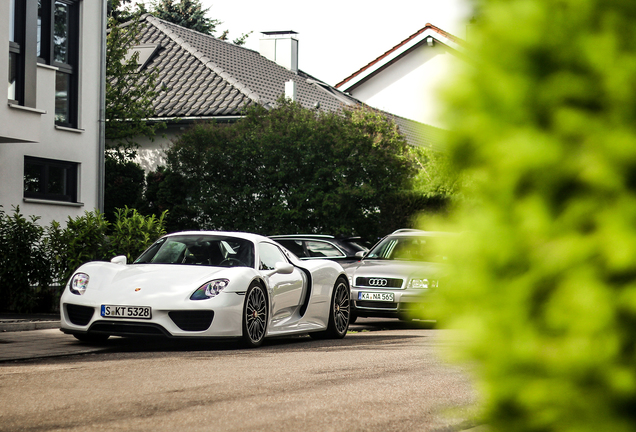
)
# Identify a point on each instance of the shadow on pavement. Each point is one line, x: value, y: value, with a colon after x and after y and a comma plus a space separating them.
x: 362, y: 335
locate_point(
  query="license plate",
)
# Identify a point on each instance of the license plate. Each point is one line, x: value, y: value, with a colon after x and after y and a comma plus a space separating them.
x: 139, y: 312
x: 387, y: 297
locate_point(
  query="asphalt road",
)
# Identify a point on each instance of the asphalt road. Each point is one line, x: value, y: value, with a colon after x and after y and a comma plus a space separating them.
x: 383, y: 376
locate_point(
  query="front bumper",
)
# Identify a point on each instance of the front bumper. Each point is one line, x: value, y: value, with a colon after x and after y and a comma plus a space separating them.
x: 216, y: 317
x: 408, y: 303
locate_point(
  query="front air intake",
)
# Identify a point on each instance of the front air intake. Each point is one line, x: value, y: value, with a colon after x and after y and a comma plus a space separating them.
x: 79, y: 315
x: 192, y: 320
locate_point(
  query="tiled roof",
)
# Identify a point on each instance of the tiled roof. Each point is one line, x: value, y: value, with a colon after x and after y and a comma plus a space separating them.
x: 206, y: 77
x: 427, y: 29
x: 421, y: 134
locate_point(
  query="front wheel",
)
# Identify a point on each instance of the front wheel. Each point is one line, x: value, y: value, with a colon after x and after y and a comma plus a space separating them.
x: 254, y: 316
x: 339, y: 312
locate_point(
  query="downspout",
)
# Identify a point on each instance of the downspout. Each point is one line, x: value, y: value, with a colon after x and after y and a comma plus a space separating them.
x: 102, y: 113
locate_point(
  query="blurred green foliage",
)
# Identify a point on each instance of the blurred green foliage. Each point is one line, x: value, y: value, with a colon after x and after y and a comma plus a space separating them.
x: 544, y: 123
x: 36, y: 261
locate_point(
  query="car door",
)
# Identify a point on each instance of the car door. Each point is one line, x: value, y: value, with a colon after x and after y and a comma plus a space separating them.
x: 285, y: 290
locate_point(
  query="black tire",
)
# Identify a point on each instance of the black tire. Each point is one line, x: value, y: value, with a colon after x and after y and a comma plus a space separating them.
x: 339, y: 312
x: 353, y: 316
x: 93, y: 338
x: 255, y: 313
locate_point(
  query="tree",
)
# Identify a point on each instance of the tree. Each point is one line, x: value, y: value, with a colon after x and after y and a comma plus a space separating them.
x: 190, y: 14
x: 186, y: 13
x: 545, y: 283
x: 129, y: 92
x: 129, y: 104
x: 290, y: 170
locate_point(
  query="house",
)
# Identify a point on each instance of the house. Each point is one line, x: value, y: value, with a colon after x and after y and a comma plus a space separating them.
x: 405, y: 79
x: 210, y: 79
x: 51, y: 153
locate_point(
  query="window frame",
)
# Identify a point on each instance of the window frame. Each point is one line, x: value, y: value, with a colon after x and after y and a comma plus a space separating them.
x: 23, y: 45
x: 71, y: 179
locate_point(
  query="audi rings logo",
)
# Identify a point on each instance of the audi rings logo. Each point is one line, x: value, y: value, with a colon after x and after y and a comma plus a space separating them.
x: 377, y: 282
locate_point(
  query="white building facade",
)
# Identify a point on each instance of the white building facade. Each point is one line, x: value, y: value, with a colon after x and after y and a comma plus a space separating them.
x: 51, y: 136
x: 406, y: 80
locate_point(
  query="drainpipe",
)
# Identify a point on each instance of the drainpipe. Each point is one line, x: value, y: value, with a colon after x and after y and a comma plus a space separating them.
x: 101, y: 148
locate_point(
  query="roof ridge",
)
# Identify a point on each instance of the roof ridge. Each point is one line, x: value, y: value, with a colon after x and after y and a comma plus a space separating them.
x: 207, y: 62
x: 402, y: 43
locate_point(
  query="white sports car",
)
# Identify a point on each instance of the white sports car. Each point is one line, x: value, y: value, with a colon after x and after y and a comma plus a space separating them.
x: 207, y: 284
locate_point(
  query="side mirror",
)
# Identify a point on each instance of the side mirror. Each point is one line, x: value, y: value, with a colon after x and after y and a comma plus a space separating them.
x: 280, y: 267
x: 283, y: 268
x: 360, y: 254
x: 120, y: 259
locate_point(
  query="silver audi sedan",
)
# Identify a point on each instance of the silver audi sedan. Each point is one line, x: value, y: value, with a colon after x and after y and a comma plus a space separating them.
x: 398, y: 275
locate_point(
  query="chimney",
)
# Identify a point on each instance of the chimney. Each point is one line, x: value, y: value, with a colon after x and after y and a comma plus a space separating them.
x: 281, y: 47
x: 290, y: 90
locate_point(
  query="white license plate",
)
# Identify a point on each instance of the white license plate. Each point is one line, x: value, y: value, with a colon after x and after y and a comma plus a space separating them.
x: 387, y: 297
x: 139, y: 312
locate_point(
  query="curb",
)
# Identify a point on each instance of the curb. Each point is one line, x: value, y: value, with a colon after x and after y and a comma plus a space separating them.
x: 28, y: 325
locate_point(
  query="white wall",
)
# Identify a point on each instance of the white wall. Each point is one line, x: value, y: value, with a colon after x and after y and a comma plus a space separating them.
x: 409, y: 87
x: 40, y: 136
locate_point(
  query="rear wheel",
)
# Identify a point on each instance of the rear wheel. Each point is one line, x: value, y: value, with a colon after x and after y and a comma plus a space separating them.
x: 339, y: 312
x: 254, y: 316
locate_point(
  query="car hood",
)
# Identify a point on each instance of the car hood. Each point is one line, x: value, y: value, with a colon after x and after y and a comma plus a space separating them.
x: 396, y: 269
x: 116, y: 281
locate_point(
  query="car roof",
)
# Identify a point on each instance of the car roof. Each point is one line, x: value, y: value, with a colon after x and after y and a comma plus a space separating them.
x: 314, y: 236
x: 416, y: 232
x: 247, y: 236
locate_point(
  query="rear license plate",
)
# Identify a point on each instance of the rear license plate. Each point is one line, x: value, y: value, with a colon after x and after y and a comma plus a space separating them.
x: 139, y: 312
x: 387, y: 297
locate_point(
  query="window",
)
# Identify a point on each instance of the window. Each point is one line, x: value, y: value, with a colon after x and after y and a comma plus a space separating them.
x: 269, y: 255
x: 58, y: 24
x: 322, y: 249
x: 50, y: 179
x: 44, y: 31
x: 294, y: 246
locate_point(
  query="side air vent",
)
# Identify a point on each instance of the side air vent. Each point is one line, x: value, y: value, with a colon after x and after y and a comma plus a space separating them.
x: 79, y: 315
x: 193, y: 320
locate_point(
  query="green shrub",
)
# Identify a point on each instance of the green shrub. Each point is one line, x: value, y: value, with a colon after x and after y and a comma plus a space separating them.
x: 132, y: 232
x: 545, y: 283
x: 36, y: 262
x: 24, y: 270
x: 87, y: 240
x: 124, y: 185
x: 288, y: 169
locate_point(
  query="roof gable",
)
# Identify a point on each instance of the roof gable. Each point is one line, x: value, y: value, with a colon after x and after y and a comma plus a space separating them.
x: 428, y: 33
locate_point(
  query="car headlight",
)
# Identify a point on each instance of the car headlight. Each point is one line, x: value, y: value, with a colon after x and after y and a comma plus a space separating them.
x: 78, y: 283
x: 210, y: 289
x: 422, y: 283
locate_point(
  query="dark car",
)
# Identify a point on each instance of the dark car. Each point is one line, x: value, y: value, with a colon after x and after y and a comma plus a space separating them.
x: 315, y: 246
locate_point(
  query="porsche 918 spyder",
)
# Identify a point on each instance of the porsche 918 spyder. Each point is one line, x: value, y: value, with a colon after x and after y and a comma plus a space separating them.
x: 207, y: 284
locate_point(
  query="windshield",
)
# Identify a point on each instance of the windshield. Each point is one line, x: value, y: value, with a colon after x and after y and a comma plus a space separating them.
x: 217, y: 251
x: 413, y: 248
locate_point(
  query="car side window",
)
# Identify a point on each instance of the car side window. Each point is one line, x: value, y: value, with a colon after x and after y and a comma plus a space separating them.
x: 269, y: 255
x: 294, y: 246
x: 320, y: 249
